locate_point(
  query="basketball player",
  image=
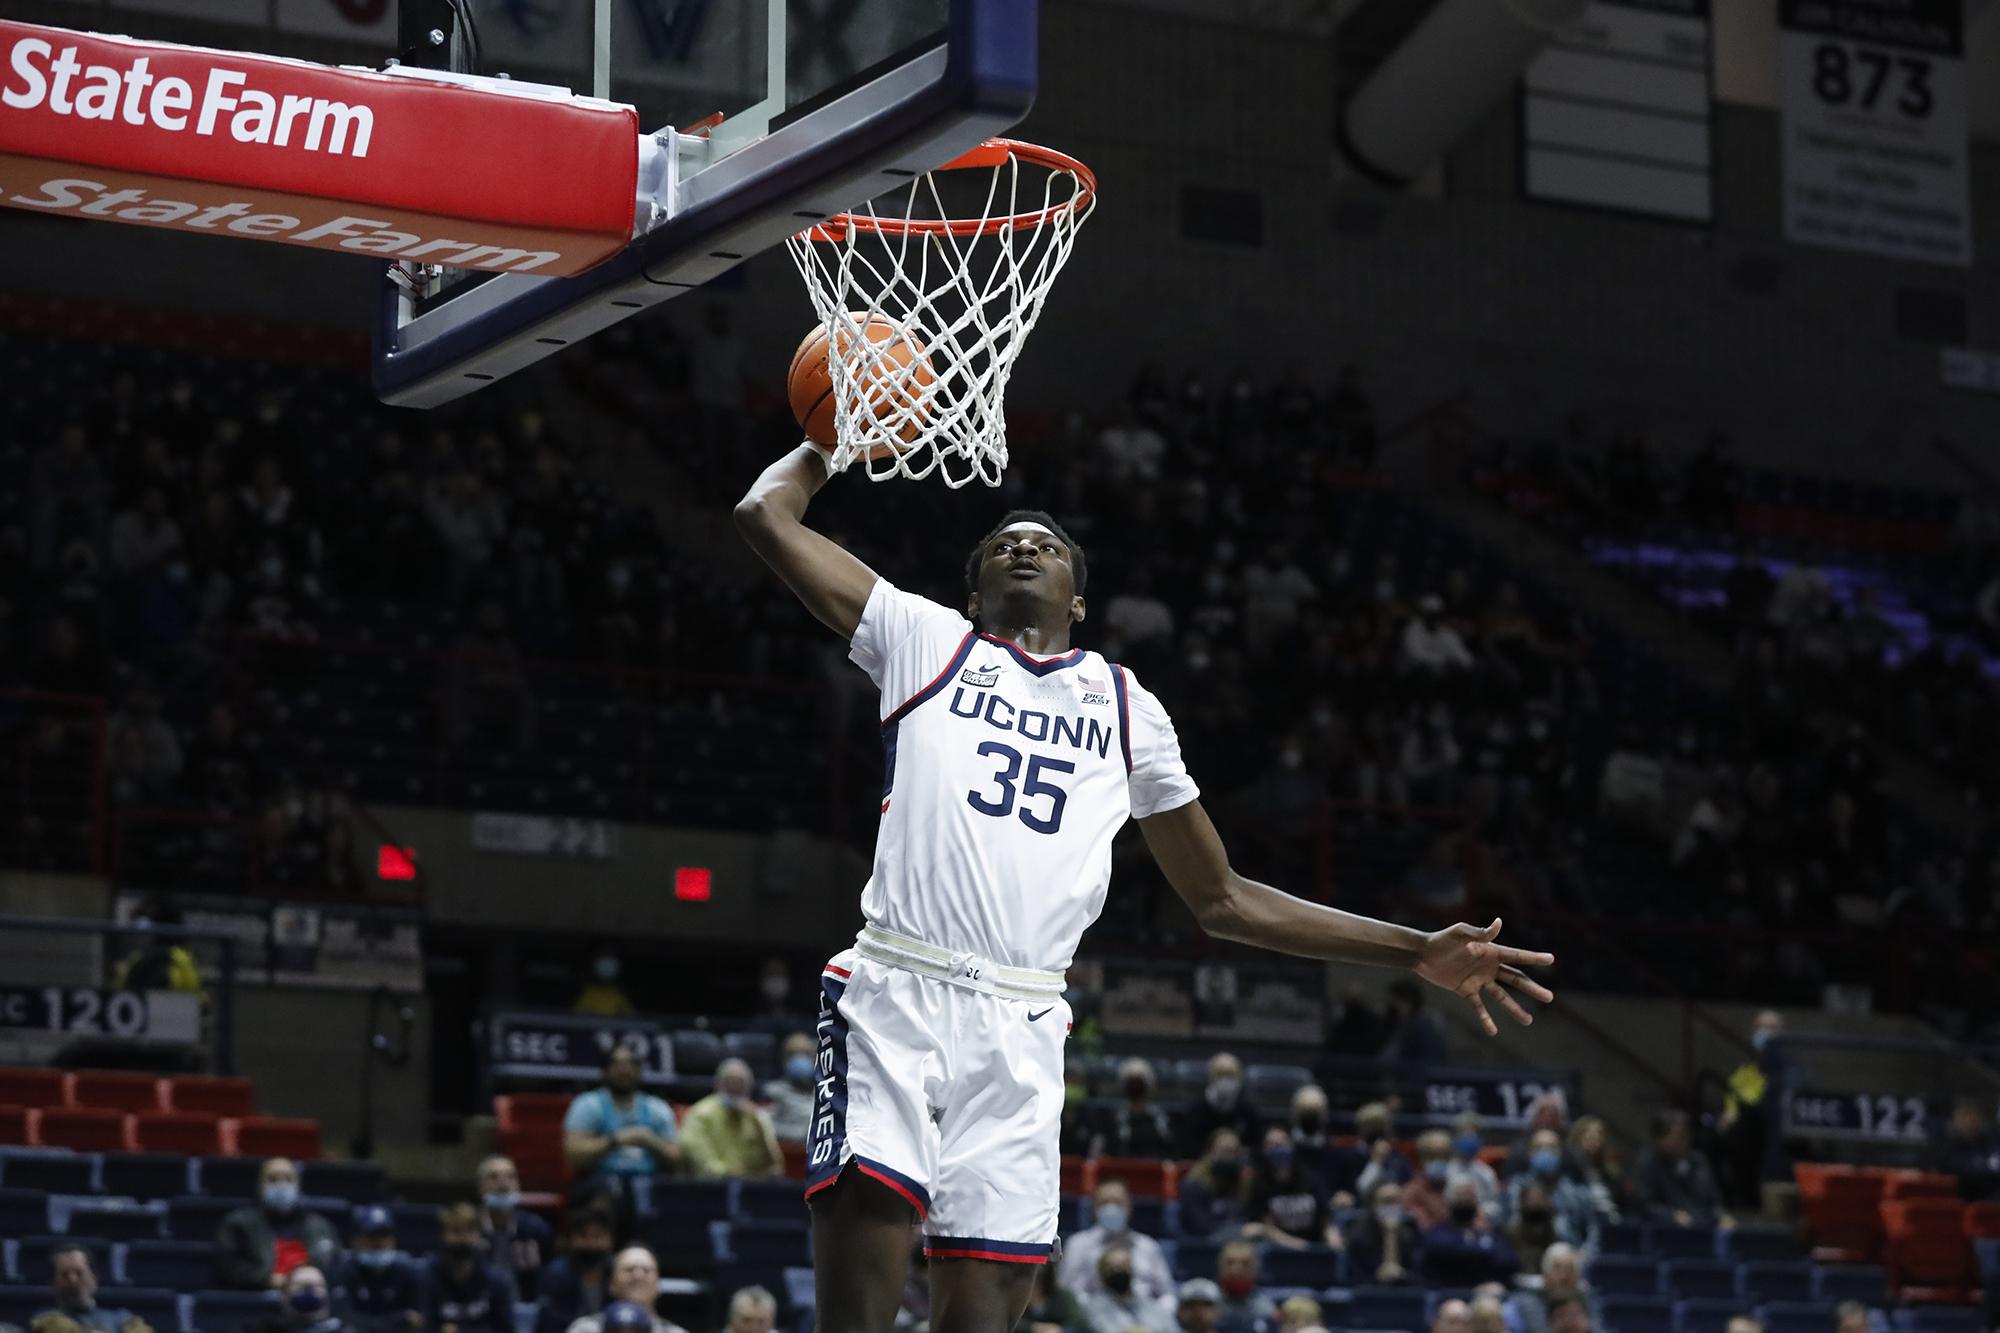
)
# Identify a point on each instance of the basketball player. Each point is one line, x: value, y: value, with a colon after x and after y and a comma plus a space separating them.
x: 1011, y: 759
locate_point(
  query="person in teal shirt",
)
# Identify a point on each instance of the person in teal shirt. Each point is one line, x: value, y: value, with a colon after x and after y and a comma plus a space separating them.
x: 616, y: 1131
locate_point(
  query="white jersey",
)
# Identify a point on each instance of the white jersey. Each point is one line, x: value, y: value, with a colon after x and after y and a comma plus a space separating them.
x: 1005, y: 777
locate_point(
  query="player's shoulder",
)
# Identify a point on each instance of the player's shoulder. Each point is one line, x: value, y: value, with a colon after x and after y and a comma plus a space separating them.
x: 887, y: 602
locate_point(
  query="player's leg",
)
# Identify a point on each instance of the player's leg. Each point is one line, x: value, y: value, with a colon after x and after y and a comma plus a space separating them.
x: 861, y: 1254
x: 979, y: 1295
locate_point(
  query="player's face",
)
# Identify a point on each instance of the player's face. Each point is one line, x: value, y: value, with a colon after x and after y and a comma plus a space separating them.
x: 1029, y: 563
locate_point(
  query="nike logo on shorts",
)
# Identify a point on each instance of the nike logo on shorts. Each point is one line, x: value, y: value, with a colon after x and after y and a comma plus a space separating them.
x: 1033, y: 1017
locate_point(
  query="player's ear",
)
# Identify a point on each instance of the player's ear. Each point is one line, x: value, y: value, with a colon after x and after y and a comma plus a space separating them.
x: 1076, y: 611
x: 972, y: 607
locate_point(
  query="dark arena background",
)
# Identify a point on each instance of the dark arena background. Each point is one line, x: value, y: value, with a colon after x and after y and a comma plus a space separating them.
x: 1544, y: 455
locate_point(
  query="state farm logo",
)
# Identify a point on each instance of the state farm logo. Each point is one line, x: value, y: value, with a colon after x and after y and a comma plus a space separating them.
x: 40, y: 76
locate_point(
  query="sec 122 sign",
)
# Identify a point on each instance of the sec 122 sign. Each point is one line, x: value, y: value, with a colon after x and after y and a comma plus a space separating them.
x: 1875, y: 1116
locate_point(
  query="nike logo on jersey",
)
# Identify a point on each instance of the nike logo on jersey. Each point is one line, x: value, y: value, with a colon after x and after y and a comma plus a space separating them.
x: 1043, y: 1014
x: 980, y: 677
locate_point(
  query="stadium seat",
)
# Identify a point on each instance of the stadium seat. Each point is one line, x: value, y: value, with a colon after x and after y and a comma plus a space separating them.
x: 1386, y: 1307
x: 161, y: 1309
x: 763, y: 1200
x: 1145, y: 1177
x: 1796, y: 1317
x: 697, y: 1052
x: 237, y: 1311
x: 1316, y: 1266
x: 205, y: 1094
x: 23, y: 1212
x: 798, y: 1290
x: 232, y: 1177
x: 1867, y: 1283
x: 1625, y: 1275
x: 1271, y: 1086
x: 199, y: 1217
x: 117, y: 1224
x: 115, y: 1090
x: 795, y: 1159
x: 1919, y: 1185
x: 197, y: 1134
x: 349, y: 1181
x: 17, y: 1126
x: 537, y: 1153
x: 55, y: 1172
x: 1925, y: 1249
x: 1622, y: 1238
x: 20, y: 1303
x: 769, y: 1245
x: 531, y: 1110
x: 83, y: 1128
x: 417, y: 1227
x: 1764, y: 1281
x: 144, y: 1175
x: 1982, y: 1220
x: 33, y: 1087
x: 1937, y: 1319
x: 31, y: 1257
x: 1714, y: 1278
x: 1842, y: 1209
x: 272, y: 1136
x: 1747, y: 1244
x: 183, y: 1265
x: 1155, y: 1217
x: 1704, y: 1314
x: 759, y: 1050
x: 1633, y: 1313
x: 1682, y: 1242
x: 1195, y: 1258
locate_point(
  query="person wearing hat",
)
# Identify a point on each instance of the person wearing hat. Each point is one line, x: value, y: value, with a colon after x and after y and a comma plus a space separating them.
x: 376, y: 1289
x: 1200, y: 1308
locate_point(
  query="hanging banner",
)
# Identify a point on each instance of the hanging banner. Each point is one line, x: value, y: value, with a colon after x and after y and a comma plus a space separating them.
x: 1875, y: 144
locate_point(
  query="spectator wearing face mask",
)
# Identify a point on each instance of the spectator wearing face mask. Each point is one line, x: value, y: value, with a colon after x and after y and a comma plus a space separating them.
x: 1222, y: 1106
x: 1465, y: 1250
x: 257, y: 1246
x: 1374, y: 1127
x: 1244, y: 1308
x: 518, y: 1242
x: 1288, y: 1202
x: 1115, y: 1305
x: 376, y: 1289
x: 1338, y: 1167
x: 728, y: 1135
x: 1215, y: 1192
x: 1464, y: 1164
x: 1423, y: 1197
x: 601, y: 995
x: 791, y: 1097
x: 1145, y: 1261
x: 1382, y: 1242
x: 1752, y: 1149
x: 462, y: 1292
x: 1572, y: 1209
x: 577, y: 1282
x: 307, y: 1307
x: 1138, y: 1127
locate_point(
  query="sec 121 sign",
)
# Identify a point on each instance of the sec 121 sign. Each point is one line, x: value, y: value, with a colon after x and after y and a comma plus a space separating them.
x: 1875, y: 142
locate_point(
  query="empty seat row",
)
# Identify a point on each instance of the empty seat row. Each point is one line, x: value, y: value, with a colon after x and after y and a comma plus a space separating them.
x: 118, y: 1090
x: 1720, y: 1279
x: 168, y: 1175
x: 100, y: 1129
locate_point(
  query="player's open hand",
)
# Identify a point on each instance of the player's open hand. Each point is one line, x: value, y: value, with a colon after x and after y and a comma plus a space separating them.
x: 1465, y: 961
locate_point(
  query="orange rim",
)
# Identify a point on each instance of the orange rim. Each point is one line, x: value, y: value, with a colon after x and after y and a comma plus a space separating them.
x: 992, y: 153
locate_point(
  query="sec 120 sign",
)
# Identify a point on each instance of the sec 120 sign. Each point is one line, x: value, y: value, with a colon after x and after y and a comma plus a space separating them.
x: 86, y: 1011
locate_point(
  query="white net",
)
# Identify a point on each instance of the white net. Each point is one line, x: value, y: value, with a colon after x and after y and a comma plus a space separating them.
x: 959, y: 288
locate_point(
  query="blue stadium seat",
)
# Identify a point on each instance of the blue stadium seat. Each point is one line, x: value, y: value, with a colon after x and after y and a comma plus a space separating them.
x: 1625, y: 1275
x: 159, y: 1308
x: 1316, y: 1266
x: 20, y: 1303
x: 141, y: 1223
x: 1796, y: 1316
x: 769, y: 1245
x: 1753, y: 1244
x: 23, y: 1212
x: 31, y: 1256
x: 757, y: 1049
x: 353, y: 1182
x: 696, y: 1052
x: 798, y: 1289
x: 1704, y: 1315
x: 1701, y: 1278
x: 1623, y: 1238
x: 1069, y: 1214
x: 417, y: 1229
x: 1867, y: 1283
x: 1388, y: 1307
x: 1682, y: 1242
x: 235, y: 1311
x: 56, y: 1172
x: 1987, y: 1250
x: 183, y: 1265
x: 145, y: 1175
x: 1774, y: 1281
x: 766, y: 1201
x: 1638, y: 1314
x: 230, y: 1177
x: 1195, y: 1258
x: 1273, y: 1085
x: 193, y: 1217
x: 1150, y: 1217
x: 1937, y: 1319
x: 708, y: 1200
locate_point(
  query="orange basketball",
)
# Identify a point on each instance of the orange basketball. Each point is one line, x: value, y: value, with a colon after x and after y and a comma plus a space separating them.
x: 895, y: 382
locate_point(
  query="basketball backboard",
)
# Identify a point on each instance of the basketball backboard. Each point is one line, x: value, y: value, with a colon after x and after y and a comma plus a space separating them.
x: 822, y: 105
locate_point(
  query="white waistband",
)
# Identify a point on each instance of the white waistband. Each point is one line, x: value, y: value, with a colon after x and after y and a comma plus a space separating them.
x: 959, y: 969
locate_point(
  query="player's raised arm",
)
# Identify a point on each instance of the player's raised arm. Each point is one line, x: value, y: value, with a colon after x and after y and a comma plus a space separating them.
x: 1462, y: 959
x: 833, y: 584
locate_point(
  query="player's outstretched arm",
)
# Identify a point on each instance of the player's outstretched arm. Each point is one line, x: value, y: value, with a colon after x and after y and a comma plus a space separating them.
x: 833, y: 584
x: 1462, y: 959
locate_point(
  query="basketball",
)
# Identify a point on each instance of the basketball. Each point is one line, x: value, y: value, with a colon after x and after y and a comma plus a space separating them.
x: 894, y: 381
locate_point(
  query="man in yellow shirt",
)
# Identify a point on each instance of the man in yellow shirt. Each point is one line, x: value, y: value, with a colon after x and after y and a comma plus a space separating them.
x: 727, y: 1134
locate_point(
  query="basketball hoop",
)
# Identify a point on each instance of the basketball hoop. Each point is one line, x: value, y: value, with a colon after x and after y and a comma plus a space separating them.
x: 965, y: 289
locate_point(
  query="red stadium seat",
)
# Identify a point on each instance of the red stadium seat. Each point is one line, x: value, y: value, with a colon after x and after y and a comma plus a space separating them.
x: 1074, y: 1168
x: 1919, y: 1185
x: 1982, y: 1221
x: 1146, y: 1177
x: 211, y: 1095
x: 84, y: 1128
x: 795, y: 1160
x: 116, y: 1090
x: 1842, y: 1208
x: 538, y: 1155
x: 531, y: 1110
x: 34, y: 1087
x: 272, y: 1136
x: 189, y: 1132
x: 1926, y: 1250
x: 17, y: 1126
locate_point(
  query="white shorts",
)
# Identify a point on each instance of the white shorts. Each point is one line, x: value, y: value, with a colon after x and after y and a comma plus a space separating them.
x: 951, y: 1097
